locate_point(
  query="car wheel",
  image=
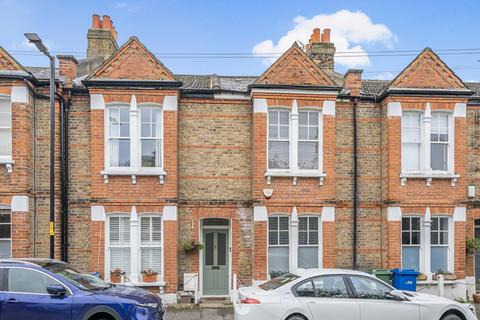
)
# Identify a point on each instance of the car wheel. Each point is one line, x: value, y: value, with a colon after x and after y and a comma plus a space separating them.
x: 451, y: 316
x: 296, y: 317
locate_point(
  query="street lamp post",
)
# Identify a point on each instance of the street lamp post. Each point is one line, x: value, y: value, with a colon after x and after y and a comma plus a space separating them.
x: 35, y: 39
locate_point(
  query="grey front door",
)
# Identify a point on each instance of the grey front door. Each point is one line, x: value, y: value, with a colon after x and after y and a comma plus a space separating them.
x: 215, y: 262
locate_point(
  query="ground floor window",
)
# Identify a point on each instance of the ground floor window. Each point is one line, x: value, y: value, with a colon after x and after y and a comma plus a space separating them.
x: 144, y: 236
x: 439, y: 244
x: 411, y: 243
x: 308, y: 234
x: 151, y: 243
x: 278, y: 245
x: 5, y: 233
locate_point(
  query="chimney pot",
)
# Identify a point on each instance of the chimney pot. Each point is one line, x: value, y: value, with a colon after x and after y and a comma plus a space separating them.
x: 96, y: 23
x: 106, y: 22
x: 316, y: 35
x: 326, y: 36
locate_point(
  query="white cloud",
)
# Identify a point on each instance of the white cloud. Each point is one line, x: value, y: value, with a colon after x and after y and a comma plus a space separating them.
x: 349, y: 31
x: 384, y: 76
x: 120, y: 5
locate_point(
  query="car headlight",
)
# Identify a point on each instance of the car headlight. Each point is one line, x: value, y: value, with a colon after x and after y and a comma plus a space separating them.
x: 148, y: 305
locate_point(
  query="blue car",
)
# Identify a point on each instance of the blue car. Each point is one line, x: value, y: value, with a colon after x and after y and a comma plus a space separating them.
x: 46, y: 289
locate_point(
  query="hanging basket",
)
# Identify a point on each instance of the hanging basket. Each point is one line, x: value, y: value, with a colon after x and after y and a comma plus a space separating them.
x: 192, y: 246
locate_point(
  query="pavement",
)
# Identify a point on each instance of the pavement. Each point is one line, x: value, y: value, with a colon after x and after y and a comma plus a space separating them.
x: 196, y: 313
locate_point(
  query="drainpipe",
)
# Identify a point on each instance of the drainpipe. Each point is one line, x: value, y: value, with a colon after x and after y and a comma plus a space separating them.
x: 355, y: 182
x: 64, y: 108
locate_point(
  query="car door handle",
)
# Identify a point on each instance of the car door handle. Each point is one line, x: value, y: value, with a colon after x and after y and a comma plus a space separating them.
x: 11, y: 300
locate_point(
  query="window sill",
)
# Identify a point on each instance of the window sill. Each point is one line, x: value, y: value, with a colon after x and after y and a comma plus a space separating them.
x: 296, y: 174
x: 8, y: 162
x: 134, y: 173
x: 428, y: 177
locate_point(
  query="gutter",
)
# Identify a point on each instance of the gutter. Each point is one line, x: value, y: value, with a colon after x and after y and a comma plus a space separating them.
x: 146, y: 84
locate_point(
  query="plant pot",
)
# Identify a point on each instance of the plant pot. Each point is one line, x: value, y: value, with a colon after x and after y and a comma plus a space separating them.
x: 115, y: 278
x: 149, y: 278
x: 476, y: 297
x: 422, y: 277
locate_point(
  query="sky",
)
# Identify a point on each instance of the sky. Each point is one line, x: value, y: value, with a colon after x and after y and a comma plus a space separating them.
x: 255, y: 30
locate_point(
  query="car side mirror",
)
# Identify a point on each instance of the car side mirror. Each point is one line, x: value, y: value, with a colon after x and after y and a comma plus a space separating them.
x: 56, y: 290
x: 396, y: 295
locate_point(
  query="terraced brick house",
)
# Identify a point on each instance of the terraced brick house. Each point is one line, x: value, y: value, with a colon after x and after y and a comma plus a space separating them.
x: 300, y: 167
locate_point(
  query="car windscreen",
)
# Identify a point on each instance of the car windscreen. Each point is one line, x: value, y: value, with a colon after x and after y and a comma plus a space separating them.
x: 278, y: 282
x: 80, y: 279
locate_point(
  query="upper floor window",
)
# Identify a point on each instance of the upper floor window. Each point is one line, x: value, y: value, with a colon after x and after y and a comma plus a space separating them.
x: 308, y: 139
x: 439, y: 141
x: 427, y: 148
x: 411, y: 140
x: 119, y: 136
x: 134, y: 141
x: 5, y: 129
x: 278, y: 139
x: 151, y: 137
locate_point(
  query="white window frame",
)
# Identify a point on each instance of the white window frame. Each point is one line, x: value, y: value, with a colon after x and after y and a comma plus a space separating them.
x: 449, y: 245
x: 8, y: 159
x: 421, y: 240
x: 319, y: 240
x: 425, y: 241
x: 160, y: 137
x: 135, y: 247
x: 426, y: 170
x: 135, y: 169
x: 280, y: 140
x: 294, y: 171
x: 7, y: 208
x: 108, y: 137
x: 318, y: 140
x: 288, y: 246
x: 421, y: 147
x: 160, y: 276
x: 108, y: 267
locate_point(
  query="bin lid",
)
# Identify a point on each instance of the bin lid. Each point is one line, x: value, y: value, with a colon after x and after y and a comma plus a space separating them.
x: 406, y: 272
x: 380, y: 271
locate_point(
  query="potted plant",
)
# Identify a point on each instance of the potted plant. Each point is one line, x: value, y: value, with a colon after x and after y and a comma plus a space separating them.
x: 446, y: 275
x: 116, y: 275
x: 472, y: 245
x: 149, y: 275
x: 192, y: 245
x: 422, y: 277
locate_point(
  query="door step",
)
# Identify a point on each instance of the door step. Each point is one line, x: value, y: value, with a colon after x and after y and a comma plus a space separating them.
x: 214, y: 302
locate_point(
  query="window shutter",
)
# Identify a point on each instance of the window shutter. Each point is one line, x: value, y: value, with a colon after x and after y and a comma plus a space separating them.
x: 120, y: 243
x: 151, y: 243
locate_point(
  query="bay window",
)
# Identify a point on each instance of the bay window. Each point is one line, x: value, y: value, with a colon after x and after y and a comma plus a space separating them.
x: 308, y: 139
x: 411, y: 140
x: 151, y: 243
x: 439, y: 244
x: 119, y: 243
x: 411, y: 243
x: 308, y: 236
x: 278, y: 139
x: 278, y: 244
x: 119, y: 136
x: 5, y: 130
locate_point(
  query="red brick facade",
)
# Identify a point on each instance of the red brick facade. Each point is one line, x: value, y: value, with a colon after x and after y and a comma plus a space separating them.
x: 215, y: 162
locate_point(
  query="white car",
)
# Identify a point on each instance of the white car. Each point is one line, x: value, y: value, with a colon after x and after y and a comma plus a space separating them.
x: 330, y: 294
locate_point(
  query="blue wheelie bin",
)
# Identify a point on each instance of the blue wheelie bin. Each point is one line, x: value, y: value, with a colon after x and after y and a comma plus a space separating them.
x: 404, y: 279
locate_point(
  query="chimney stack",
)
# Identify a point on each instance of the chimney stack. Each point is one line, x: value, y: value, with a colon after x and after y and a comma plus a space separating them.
x: 102, y: 37
x: 68, y: 68
x: 353, y: 81
x: 321, y: 50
